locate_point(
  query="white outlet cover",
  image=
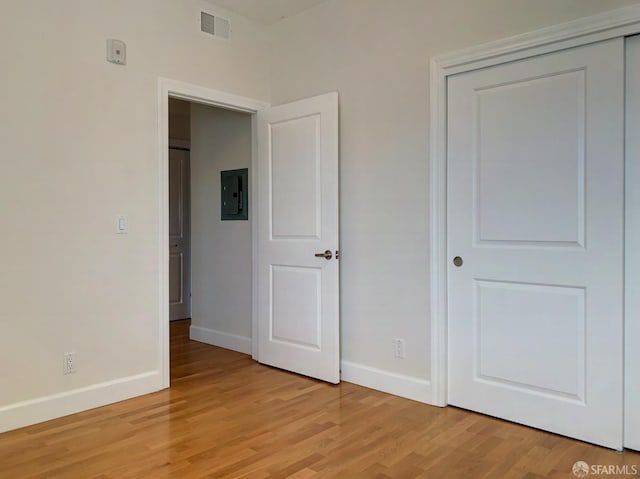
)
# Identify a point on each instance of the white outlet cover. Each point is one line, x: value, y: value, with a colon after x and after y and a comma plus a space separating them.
x: 69, y: 363
x: 116, y: 51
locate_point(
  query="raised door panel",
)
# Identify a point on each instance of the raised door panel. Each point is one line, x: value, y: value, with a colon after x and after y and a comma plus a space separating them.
x: 539, y: 169
x: 295, y: 178
x: 296, y: 315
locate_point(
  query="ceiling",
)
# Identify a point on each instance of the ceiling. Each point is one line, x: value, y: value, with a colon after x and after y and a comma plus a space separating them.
x: 267, y: 11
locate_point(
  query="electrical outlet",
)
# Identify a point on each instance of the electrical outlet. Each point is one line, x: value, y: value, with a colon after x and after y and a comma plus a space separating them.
x: 398, y: 348
x: 69, y: 363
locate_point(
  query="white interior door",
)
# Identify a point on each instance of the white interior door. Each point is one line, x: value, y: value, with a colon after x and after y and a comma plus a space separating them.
x: 179, y: 263
x: 535, y: 213
x: 298, y: 290
x: 632, y: 253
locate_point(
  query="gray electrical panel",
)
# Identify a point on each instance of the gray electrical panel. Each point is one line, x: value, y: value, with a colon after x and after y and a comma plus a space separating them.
x: 234, y: 190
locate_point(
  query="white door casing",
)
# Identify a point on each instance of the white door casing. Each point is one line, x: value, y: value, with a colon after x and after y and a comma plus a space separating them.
x: 297, y: 188
x: 179, y: 261
x: 632, y: 249
x: 535, y: 210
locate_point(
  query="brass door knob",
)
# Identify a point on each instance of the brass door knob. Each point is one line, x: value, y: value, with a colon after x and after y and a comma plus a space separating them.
x: 457, y: 261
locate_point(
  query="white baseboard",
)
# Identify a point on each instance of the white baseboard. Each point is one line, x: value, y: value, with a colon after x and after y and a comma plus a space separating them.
x: 26, y: 413
x: 242, y: 344
x: 392, y: 383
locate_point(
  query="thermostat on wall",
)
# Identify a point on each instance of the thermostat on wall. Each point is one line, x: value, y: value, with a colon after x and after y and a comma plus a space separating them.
x: 116, y: 51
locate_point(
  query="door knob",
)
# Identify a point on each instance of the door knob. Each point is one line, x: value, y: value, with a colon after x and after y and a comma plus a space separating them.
x: 457, y: 261
x: 326, y: 255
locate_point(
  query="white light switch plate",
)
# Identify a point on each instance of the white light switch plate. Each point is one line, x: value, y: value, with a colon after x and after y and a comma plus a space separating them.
x: 122, y: 227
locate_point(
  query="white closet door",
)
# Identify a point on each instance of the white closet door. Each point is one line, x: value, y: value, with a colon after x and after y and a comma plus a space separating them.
x: 535, y: 215
x: 179, y: 257
x: 632, y: 250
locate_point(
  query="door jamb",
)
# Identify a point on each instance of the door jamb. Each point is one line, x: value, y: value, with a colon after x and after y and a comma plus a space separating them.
x: 206, y: 96
x: 615, y: 23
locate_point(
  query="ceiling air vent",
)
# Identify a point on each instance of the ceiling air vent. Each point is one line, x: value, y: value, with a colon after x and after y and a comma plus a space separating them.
x: 214, y: 25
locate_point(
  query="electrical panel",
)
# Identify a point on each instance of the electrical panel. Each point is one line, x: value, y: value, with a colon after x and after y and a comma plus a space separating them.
x: 234, y: 190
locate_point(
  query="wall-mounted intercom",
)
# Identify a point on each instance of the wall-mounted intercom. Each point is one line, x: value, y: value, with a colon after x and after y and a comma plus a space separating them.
x: 234, y: 189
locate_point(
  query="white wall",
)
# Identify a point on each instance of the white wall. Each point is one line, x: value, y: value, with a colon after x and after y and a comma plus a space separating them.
x: 375, y: 53
x: 79, y: 145
x: 221, y: 250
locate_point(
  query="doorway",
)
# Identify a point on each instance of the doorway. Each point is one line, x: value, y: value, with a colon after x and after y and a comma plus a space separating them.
x: 221, y: 141
x: 179, y: 235
x: 176, y: 90
x: 295, y: 147
x: 179, y: 210
x: 210, y: 270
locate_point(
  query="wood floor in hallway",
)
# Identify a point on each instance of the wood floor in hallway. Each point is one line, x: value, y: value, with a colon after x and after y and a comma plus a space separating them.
x: 225, y: 416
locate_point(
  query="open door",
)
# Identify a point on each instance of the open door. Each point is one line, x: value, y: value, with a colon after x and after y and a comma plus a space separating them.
x: 298, y: 267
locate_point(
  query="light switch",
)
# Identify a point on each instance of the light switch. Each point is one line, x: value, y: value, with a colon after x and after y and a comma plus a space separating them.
x: 121, y: 225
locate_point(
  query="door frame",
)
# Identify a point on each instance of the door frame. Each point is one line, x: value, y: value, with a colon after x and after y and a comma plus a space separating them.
x: 615, y: 23
x: 220, y: 99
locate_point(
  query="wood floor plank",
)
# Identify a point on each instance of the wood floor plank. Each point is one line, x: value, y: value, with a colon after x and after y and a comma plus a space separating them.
x: 225, y: 416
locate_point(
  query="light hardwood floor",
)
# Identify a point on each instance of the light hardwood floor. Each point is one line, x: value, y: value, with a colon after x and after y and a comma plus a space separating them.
x: 226, y: 416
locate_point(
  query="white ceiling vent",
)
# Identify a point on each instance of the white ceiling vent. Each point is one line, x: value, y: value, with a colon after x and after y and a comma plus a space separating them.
x: 217, y: 26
